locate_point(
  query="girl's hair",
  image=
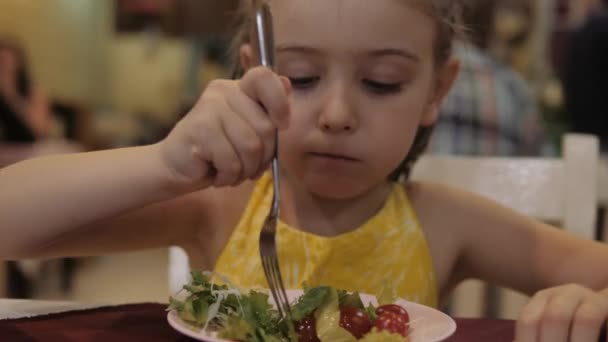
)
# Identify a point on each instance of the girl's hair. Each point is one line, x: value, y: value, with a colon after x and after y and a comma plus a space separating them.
x: 446, y: 14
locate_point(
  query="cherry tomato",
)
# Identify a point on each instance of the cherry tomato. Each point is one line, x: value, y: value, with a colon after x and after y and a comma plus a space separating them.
x: 394, y: 308
x: 307, y: 330
x: 393, y: 323
x: 355, y: 321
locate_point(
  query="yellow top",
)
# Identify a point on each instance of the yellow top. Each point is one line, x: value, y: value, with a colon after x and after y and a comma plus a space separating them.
x: 388, y: 253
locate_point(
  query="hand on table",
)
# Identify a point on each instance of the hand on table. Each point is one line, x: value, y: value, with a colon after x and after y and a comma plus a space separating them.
x: 563, y: 314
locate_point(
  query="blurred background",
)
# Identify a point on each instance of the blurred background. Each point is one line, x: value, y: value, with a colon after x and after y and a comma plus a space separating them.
x: 112, y: 73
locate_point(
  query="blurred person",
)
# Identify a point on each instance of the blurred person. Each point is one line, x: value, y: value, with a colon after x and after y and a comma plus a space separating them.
x: 491, y: 109
x: 585, y: 75
x: 24, y: 118
x: 24, y: 107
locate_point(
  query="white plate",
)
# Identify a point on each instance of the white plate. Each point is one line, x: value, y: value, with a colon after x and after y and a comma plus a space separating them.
x: 427, y: 324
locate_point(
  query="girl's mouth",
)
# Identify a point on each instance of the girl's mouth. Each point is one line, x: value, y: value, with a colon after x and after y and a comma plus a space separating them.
x: 333, y: 156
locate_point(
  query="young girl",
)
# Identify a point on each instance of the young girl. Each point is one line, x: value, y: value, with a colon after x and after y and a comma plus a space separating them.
x: 359, y: 79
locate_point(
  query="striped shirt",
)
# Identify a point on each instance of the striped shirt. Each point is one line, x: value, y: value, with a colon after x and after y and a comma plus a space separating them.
x: 489, y: 111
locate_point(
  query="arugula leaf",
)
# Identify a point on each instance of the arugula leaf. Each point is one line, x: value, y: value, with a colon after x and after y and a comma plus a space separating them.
x: 288, y: 329
x: 175, y: 304
x: 371, y: 312
x: 351, y: 300
x: 273, y: 339
x: 231, y: 305
x: 195, y: 288
x: 199, y: 278
x: 258, y: 311
x: 309, y: 302
x: 200, y: 309
x: 187, y: 314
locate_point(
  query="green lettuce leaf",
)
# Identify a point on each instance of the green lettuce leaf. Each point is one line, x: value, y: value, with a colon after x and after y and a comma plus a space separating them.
x: 199, y: 278
x: 309, y: 302
x: 259, y: 313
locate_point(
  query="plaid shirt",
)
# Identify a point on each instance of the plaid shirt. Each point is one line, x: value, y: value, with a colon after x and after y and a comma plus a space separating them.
x: 490, y: 111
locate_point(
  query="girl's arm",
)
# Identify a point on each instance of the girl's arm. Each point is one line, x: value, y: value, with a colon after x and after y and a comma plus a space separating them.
x: 509, y: 249
x: 528, y: 255
x: 44, y: 200
x: 226, y: 139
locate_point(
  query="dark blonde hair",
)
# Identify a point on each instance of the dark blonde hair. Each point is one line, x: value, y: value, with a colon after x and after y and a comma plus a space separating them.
x: 446, y: 14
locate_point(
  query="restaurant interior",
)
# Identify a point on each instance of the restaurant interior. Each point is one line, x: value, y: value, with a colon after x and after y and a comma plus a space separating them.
x: 121, y: 73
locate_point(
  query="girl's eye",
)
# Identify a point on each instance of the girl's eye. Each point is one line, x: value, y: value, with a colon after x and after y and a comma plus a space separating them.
x: 303, y: 82
x: 382, y: 88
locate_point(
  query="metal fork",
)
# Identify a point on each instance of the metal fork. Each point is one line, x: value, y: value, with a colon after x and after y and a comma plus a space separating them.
x: 268, y: 245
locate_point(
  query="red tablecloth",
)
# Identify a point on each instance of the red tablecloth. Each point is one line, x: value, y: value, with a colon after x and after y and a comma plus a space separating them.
x: 147, y: 322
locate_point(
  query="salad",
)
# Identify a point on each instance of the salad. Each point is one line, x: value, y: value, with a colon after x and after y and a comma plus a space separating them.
x: 321, y: 314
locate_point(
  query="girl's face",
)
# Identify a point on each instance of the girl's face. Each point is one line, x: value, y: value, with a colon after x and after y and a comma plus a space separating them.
x: 364, y: 80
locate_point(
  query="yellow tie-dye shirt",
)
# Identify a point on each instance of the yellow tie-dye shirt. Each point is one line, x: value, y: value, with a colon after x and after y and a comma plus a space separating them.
x: 388, y: 253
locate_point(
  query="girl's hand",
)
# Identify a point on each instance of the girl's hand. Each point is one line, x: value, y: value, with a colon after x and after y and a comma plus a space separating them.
x: 229, y: 135
x: 562, y: 314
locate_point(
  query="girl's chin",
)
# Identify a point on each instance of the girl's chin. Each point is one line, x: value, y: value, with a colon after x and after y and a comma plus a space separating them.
x: 338, y: 188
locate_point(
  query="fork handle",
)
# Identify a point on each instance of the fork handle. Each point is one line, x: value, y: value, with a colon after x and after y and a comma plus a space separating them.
x: 265, y: 36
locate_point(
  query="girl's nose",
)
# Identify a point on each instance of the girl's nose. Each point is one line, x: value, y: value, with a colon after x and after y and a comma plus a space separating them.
x: 337, y: 114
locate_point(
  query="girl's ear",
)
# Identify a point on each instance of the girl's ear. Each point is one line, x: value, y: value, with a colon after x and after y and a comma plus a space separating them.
x: 445, y: 78
x: 246, y: 57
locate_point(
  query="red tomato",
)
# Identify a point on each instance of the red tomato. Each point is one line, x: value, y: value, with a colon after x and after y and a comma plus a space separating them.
x: 393, y: 323
x: 355, y: 321
x: 394, y: 308
x: 307, y: 330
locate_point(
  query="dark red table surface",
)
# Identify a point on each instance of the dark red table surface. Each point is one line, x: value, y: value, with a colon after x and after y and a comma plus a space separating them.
x: 147, y: 322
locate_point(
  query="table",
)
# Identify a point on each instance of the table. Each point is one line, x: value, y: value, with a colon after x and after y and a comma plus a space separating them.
x: 20, y: 308
x: 147, y: 322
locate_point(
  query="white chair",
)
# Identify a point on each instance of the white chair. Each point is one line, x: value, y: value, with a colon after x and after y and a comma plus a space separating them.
x: 558, y: 190
x: 179, y: 269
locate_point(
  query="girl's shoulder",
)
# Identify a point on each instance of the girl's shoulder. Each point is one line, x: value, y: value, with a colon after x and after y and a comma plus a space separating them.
x: 437, y: 208
x: 430, y: 198
x: 462, y: 229
x: 444, y: 206
x: 434, y: 198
